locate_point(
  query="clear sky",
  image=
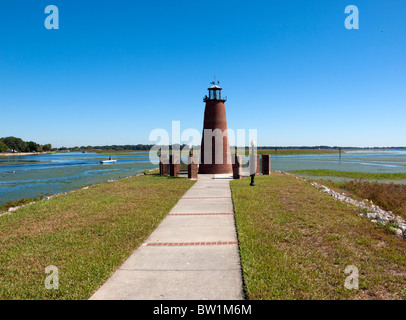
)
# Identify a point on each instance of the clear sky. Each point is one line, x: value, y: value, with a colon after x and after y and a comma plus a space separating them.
x: 115, y: 70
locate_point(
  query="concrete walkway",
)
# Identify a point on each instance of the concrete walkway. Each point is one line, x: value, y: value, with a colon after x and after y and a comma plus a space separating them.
x: 193, y: 254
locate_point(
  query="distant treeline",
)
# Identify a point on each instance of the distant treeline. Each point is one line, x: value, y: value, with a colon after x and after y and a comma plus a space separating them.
x: 326, y: 147
x: 138, y: 147
x: 13, y: 144
x: 147, y: 147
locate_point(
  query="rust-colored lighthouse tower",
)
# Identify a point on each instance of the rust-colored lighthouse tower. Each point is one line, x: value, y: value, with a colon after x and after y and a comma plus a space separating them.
x: 215, y: 149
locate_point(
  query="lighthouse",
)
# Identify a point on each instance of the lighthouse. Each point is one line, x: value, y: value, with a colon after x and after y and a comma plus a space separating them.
x: 215, y: 149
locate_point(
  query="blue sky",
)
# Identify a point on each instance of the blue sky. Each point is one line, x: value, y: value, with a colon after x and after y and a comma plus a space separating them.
x: 115, y: 70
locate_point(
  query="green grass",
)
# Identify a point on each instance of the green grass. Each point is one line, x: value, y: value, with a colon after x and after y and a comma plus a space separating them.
x: 295, y: 243
x: 352, y: 175
x: 87, y: 234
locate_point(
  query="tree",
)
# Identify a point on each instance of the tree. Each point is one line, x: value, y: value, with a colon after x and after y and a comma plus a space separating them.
x: 32, y: 147
x: 3, y: 147
x: 14, y: 143
x: 47, y: 147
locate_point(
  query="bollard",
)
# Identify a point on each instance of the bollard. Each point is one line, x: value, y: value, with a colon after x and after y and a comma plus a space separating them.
x: 266, y: 164
x: 174, y: 165
x: 192, y: 167
x: 258, y: 168
x: 163, y: 165
x: 237, y: 167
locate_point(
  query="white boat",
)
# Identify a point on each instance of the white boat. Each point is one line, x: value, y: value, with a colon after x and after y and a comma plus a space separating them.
x: 107, y: 161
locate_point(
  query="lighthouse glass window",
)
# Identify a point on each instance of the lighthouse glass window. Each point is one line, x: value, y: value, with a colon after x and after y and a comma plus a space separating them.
x: 214, y: 94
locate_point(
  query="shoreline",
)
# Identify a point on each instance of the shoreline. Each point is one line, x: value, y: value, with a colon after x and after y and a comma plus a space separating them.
x: 50, y: 196
x: 20, y: 154
x: 87, y: 234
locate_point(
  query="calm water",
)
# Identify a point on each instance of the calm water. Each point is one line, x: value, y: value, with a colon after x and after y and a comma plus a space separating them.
x: 393, y: 161
x: 360, y: 161
x: 30, y: 176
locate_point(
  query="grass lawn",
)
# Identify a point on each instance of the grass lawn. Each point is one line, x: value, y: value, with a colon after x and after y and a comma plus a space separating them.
x: 87, y: 234
x: 352, y: 175
x: 295, y: 243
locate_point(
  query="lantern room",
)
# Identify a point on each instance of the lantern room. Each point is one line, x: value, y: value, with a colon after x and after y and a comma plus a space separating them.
x: 214, y: 93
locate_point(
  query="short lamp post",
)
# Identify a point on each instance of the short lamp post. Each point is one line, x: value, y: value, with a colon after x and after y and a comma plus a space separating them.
x: 252, y: 163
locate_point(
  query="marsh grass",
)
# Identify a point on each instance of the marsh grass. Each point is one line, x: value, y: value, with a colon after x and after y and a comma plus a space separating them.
x: 23, y: 201
x: 388, y: 196
x: 87, y: 234
x: 295, y: 243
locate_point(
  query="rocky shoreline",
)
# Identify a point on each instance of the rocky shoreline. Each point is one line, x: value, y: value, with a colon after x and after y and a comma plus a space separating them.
x: 373, y: 212
x: 19, y: 154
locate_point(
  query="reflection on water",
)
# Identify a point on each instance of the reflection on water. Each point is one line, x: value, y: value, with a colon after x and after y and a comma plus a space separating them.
x: 29, y: 176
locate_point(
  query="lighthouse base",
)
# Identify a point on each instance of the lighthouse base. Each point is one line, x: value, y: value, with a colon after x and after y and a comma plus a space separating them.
x: 215, y: 168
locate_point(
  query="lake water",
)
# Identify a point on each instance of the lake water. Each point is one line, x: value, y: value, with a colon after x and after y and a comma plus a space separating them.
x: 30, y: 176
x: 378, y: 161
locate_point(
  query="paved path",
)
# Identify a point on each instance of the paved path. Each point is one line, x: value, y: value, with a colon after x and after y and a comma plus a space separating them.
x: 193, y: 254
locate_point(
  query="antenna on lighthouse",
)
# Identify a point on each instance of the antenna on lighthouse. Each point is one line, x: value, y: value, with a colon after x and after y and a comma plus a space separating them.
x: 214, y: 82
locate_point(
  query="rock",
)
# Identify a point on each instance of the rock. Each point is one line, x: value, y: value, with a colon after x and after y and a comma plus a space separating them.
x: 375, y: 213
x: 397, y: 231
x: 383, y: 217
x: 371, y: 215
x: 13, y: 209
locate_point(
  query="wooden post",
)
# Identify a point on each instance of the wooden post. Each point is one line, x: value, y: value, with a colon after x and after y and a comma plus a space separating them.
x: 266, y: 164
